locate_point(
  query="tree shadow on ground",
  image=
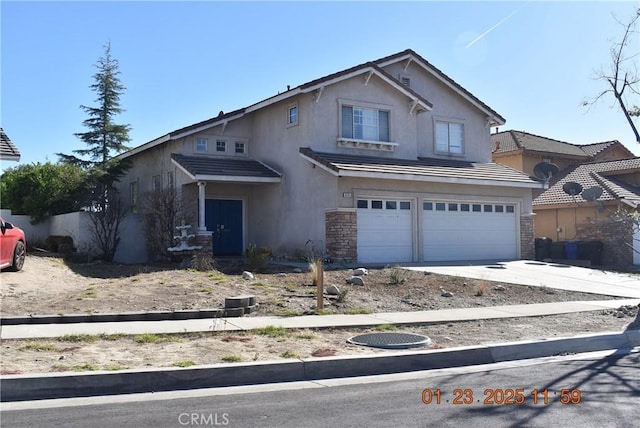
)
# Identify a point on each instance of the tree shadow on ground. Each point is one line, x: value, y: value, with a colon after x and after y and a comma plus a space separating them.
x: 584, y: 385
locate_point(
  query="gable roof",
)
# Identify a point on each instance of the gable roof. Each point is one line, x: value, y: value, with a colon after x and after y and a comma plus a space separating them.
x: 601, y: 174
x: 225, y: 169
x: 410, y: 55
x: 421, y: 169
x: 8, y: 151
x: 512, y: 140
x: 316, y: 86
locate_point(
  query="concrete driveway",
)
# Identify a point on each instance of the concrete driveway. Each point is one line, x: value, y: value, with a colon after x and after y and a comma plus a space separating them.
x: 540, y: 274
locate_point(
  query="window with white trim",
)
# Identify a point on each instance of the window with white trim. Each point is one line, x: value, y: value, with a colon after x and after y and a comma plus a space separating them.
x: 221, y: 146
x: 202, y: 145
x: 292, y: 115
x: 170, y: 180
x: 365, y: 123
x: 449, y: 137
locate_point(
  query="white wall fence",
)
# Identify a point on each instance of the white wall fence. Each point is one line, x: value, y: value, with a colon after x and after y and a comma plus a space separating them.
x: 76, y: 225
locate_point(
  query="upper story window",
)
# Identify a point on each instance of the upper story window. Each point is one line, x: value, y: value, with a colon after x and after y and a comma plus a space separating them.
x: 202, y: 145
x: 292, y: 115
x: 449, y: 137
x: 171, y: 182
x: 365, y: 123
x: 221, y: 146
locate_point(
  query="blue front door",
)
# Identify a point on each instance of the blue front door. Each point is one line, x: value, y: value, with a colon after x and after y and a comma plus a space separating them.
x: 224, y: 218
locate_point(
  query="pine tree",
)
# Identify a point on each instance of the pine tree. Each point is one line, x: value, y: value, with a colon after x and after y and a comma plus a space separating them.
x: 104, y: 139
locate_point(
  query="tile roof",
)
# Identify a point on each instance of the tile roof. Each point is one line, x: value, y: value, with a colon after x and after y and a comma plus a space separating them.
x: 508, y: 141
x: 601, y: 174
x: 242, y: 169
x: 8, y: 151
x: 426, y: 169
x: 376, y: 65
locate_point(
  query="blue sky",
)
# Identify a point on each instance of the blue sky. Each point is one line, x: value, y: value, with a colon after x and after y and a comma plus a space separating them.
x: 183, y: 62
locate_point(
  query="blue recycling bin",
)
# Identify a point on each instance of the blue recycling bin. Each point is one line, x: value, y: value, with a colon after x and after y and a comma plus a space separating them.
x: 571, y: 250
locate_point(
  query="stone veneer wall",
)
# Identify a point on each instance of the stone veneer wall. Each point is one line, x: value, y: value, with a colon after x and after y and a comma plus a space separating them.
x: 341, y: 235
x: 616, y: 237
x: 527, y: 237
x: 205, y: 240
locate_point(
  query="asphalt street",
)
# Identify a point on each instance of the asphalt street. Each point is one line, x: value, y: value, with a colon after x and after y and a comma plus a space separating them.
x: 599, y: 389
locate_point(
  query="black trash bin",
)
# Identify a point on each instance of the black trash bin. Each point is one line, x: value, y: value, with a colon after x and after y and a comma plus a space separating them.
x: 557, y: 251
x: 592, y: 251
x: 543, y: 248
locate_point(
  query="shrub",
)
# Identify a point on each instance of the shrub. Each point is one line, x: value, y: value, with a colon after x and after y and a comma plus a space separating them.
x: 257, y: 256
x: 398, y: 275
x: 203, y: 262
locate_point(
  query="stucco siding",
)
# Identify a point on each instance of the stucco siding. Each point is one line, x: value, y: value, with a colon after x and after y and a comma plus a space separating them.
x: 447, y: 105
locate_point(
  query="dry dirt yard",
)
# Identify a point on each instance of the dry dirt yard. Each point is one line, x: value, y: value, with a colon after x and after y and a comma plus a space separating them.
x: 49, y: 285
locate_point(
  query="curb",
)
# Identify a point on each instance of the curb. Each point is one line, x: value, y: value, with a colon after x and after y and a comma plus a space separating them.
x: 227, y: 312
x: 56, y: 385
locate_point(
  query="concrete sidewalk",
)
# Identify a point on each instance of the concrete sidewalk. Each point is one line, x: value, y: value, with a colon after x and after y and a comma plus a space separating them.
x: 541, y: 274
x: 28, y: 331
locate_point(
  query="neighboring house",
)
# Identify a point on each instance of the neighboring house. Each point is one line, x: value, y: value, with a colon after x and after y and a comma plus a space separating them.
x: 385, y: 162
x: 8, y: 151
x: 563, y: 217
x: 609, y: 166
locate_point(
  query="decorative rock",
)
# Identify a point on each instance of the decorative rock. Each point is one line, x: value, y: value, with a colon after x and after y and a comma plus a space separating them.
x: 297, y: 270
x: 332, y: 290
x: 446, y: 293
x: 281, y: 275
x: 360, y: 272
x: 355, y: 280
x: 248, y: 275
x: 499, y: 288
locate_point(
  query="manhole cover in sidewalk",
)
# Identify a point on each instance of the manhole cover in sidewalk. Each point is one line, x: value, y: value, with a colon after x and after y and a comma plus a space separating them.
x: 390, y: 340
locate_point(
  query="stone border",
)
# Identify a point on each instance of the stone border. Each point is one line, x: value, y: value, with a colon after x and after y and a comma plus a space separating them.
x: 130, y: 316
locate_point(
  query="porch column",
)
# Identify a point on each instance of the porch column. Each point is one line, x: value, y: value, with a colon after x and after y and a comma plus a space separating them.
x: 201, y: 198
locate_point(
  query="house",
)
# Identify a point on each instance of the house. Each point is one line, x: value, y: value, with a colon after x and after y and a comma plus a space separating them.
x: 8, y: 151
x: 385, y: 162
x: 584, y: 217
x: 523, y: 151
x: 608, y: 168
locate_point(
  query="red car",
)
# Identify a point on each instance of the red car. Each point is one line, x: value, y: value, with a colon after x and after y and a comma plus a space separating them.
x: 13, y: 246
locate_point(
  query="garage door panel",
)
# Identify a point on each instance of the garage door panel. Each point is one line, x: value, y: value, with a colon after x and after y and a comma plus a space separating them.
x: 385, y: 235
x: 468, y: 231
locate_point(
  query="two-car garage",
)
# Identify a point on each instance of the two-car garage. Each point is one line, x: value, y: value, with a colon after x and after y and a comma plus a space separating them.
x: 392, y: 230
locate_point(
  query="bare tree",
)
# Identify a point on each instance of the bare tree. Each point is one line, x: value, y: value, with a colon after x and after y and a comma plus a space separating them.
x: 163, y: 210
x: 106, y: 216
x: 623, y: 80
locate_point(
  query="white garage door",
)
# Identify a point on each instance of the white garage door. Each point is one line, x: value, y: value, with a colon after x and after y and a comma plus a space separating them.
x: 468, y: 231
x: 385, y: 232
